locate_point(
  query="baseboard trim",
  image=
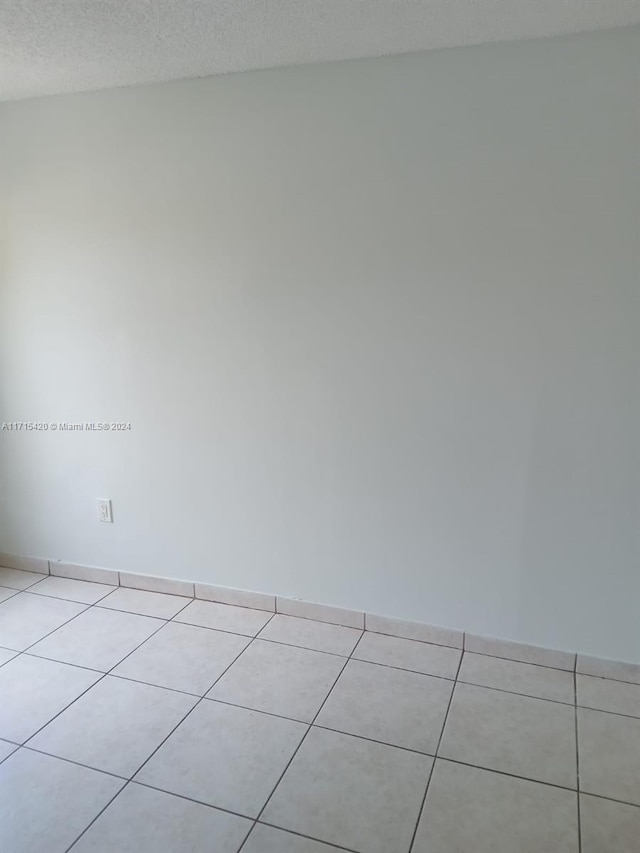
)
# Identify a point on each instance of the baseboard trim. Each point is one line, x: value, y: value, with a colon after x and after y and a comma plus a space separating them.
x: 507, y: 649
x: 25, y: 564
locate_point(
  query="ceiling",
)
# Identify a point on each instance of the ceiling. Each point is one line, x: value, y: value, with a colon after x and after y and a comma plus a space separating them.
x: 53, y: 46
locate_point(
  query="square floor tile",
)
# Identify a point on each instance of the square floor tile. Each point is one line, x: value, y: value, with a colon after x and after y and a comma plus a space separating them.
x: 267, y: 839
x: 308, y: 634
x: 183, y: 657
x: 603, y: 694
x: 142, y: 820
x: 47, y: 802
x: 528, y: 737
x: 6, y: 593
x: 608, y: 827
x: 6, y: 749
x: 408, y: 654
x: 279, y: 679
x: 33, y: 690
x: 352, y: 792
x: 468, y: 809
x: 609, y: 752
x: 26, y: 618
x: 115, y: 726
x: 145, y: 603
x: 225, y: 756
x: 16, y: 579
x: 83, y: 592
x: 6, y: 655
x: 525, y: 678
x: 389, y: 705
x: 224, y: 617
x: 98, y: 639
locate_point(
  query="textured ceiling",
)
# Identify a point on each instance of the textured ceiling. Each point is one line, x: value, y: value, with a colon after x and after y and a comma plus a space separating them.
x: 51, y: 46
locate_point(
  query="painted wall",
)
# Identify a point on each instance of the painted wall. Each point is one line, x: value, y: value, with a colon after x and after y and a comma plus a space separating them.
x: 375, y: 326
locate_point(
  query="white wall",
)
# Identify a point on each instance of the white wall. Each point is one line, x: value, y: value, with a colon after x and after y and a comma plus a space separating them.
x: 375, y: 325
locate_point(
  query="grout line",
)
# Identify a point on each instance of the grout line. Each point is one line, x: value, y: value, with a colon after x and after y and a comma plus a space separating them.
x: 296, y: 834
x: 57, y: 628
x: 297, y: 646
x: 575, y: 696
x: 373, y: 740
x: 256, y: 710
x: 100, y: 606
x: 433, y: 766
x: 515, y: 660
x: 189, y: 799
x: 413, y: 640
x: 73, y: 761
x: 304, y: 737
x: 55, y: 660
x: 193, y: 599
x: 516, y: 776
x: 612, y: 713
x: 101, y: 812
x: 153, y: 684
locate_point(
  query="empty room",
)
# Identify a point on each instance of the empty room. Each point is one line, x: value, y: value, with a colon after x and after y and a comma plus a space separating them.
x: 320, y: 426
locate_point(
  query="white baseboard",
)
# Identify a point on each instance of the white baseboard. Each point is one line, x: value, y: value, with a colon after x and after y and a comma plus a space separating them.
x: 570, y: 661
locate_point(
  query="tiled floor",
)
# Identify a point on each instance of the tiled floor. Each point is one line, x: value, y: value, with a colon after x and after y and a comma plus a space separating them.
x: 139, y: 721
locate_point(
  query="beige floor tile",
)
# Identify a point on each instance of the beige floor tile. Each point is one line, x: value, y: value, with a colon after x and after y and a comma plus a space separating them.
x: 115, y: 726
x: 16, y: 579
x: 225, y: 756
x: 321, y: 636
x: 389, y: 705
x: 603, y: 694
x: 279, y: 679
x: 6, y: 592
x: 6, y: 749
x: 33, y: 690
x: 528, y: 737
x: 97, y: 639
x: 26, y: 618
x: 351, y: 792
x: 408, y: 654
x: 145, y: 603
x: 224, y: 617
x: 183, y: 657
x: 525, y: 678
x: 609, y: 750
x: 469, y: 810
x: 47, y: 802
x: 6, y: 655
x: 83, y: 592
x: 608, y: 827
x: 267, y: 839
x: 142, y: 820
